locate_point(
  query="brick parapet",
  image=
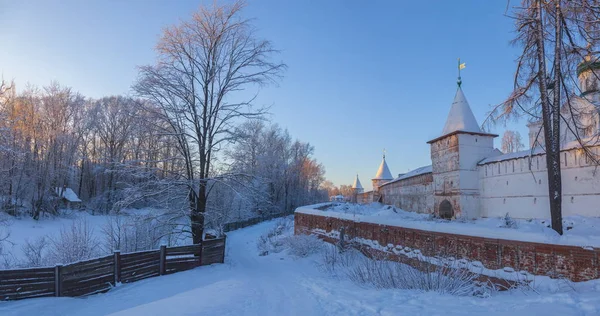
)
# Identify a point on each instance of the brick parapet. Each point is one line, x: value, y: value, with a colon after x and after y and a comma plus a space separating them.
x: 571, y: 262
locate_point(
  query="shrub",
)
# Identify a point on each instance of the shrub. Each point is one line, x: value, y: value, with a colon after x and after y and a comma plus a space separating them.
x: 334, y: 258
x: 274, y: 240
x: 74, y: 243
x: 134, y: 233
x: 440, y: 279
x: 35, y: 252
x: 303, y: 245
x: 508, y: 222
x: 385, y: 274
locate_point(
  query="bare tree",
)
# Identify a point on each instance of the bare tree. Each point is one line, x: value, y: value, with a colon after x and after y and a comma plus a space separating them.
x: 511, y: 142
x: 559, y: 40
x: 5, y: 89
x: 201, y: 65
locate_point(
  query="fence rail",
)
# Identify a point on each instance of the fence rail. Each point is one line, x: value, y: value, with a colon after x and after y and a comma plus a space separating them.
x: 101, y: 274
x: 254, y: 220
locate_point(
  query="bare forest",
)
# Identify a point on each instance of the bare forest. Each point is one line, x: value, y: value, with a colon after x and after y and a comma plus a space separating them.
x: 184, y: 141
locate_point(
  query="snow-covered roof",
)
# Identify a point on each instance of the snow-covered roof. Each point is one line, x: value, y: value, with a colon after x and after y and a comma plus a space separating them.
x: 592, y: 141
x: 413, y: 173
x: 461, y: 117
x: 383, y: 173
x: 68, y: 194
x: 357, y: 184
x: 515, y: 155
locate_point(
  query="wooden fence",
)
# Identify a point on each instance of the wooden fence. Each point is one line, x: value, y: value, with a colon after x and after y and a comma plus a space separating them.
x: 253, y: 221
x: 101, y: 274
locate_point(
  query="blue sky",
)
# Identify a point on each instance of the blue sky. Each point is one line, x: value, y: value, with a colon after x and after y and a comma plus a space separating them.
x: 363, y: 75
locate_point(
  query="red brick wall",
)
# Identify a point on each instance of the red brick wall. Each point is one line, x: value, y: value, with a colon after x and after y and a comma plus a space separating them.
x: 574, y: 263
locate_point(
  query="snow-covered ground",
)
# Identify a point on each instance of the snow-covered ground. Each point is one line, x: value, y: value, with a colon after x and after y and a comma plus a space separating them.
x: 26, y: 228
x: 280, y: 284
x: 22, y: 230
x: 578, y: 230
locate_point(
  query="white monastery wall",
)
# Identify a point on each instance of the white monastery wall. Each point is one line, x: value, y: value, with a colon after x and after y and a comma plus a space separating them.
x: 510, y: 186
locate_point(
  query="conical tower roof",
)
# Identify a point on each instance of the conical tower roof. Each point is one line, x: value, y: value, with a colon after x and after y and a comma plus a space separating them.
x: 357, y: 184
x: 383, y: 173
x: 461, y: 117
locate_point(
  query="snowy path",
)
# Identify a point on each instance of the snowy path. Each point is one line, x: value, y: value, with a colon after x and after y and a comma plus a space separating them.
x: 281, y: 285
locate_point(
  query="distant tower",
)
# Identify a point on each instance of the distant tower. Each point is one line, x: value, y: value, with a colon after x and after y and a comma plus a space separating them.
x: 383, y: 175
x: 454, y: 157
x: 586, y: 115
x: 587, y: 73
x: 357, y: 188
x: 589, y: 115
x: 536, y: 134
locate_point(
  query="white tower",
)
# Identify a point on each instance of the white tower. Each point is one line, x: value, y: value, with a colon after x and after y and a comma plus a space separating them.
x: 454, y: 157
x: 357, y: 188
x: 383, y: 175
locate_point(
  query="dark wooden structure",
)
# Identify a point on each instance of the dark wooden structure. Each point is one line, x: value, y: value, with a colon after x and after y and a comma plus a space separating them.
x: 101, y: 274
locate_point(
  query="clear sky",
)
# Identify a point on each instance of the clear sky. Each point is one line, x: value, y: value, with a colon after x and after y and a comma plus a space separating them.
x: 363, y: 75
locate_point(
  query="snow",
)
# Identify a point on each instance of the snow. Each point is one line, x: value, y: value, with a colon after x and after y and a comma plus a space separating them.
x: 383, y: 173
x: 537, y: 151
x: 579, y: 230
x: 413, y: 173
x: 28, y: 229
x: 280, y: 284
x: 461, y: 117
x: 515, y: 155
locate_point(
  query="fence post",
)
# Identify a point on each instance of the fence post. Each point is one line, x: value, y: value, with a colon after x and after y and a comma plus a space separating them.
x: 57, y: 280
x: 117, y: 264
x: 224, y: 247
x: 201, y: 253
x: 163, y: 259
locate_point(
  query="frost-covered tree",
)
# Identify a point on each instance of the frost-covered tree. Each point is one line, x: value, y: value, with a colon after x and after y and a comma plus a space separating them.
x: 202, y: 63
x: 274, y: 173
x: 511, y: 142
x: 560, y: 41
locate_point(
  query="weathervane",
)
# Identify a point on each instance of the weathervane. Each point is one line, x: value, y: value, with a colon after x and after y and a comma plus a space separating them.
x: 460, y: 66
x: 384, y: 153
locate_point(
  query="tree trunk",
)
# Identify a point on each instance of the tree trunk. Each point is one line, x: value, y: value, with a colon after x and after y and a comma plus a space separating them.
x: 550, y: 117
x: 197, y: 213
x: 555, y: 187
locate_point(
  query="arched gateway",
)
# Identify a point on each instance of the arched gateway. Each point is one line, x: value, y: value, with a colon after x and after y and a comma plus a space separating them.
x: 446, y: 210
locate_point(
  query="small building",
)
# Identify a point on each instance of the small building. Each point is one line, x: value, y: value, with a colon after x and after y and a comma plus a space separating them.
x: 337, y: 198
x: 67, y: 198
